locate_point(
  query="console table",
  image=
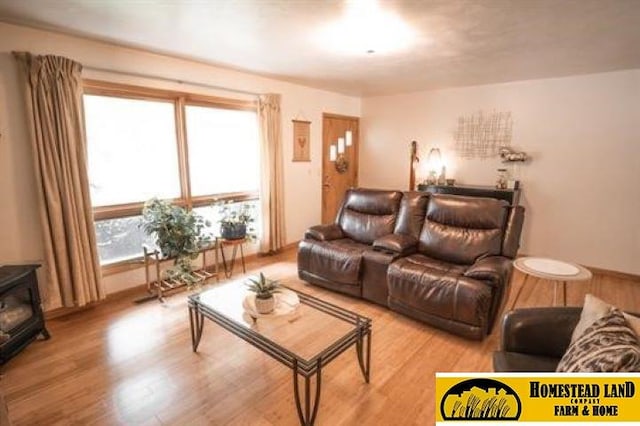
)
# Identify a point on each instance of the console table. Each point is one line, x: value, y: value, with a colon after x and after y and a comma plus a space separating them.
x: 512, y: 196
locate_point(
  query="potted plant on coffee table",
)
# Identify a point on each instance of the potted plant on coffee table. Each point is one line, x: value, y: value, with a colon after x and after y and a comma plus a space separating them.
x: 179, y: 235
x: 264, y: 289
x: 236, y: 219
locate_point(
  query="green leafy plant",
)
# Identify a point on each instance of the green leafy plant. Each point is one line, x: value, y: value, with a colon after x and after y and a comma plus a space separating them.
x: 263, y: 287
x: 179, y: 234
x: 236, y: 218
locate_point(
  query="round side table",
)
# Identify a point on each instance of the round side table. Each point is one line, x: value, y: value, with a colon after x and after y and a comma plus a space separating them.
x: 552, y: 270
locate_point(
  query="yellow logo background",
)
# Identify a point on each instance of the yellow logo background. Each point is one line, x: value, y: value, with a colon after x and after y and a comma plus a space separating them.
x: 544, y: 397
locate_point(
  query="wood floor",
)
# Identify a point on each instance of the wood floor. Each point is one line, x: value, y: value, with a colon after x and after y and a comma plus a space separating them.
x: 121, y: 363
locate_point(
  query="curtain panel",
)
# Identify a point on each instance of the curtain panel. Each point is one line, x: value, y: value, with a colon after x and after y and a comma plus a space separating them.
x: 53, y: 87
x: 271, y: 179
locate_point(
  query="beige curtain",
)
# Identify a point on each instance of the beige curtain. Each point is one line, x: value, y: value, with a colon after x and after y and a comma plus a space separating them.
x: 271, y: 186
x: 55, y: 117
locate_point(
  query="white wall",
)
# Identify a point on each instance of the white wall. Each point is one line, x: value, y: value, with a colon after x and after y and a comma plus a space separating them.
x: 20, y: 233
x: 582, y: 187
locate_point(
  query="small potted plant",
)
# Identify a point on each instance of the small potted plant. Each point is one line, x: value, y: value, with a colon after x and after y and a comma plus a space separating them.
x: 236, y: 219
x: 264, y: 289
x: 179, y: 235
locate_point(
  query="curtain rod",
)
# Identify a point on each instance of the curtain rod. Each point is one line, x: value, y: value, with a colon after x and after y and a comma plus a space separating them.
x: 171, y: 80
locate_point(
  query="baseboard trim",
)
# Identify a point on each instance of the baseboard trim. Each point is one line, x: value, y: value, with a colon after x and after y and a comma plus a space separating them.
x: 137, y: 290
x: 614, y: 274
x: 63, y: 312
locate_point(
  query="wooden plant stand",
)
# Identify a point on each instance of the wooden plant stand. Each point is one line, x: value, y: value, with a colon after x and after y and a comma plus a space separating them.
x: 159, y: 286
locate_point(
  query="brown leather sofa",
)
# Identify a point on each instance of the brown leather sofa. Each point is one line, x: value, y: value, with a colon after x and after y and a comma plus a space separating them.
x: 442, y: 259
x: 534, y: 339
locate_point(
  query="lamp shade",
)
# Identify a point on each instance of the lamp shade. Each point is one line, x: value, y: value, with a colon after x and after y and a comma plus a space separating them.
x: 434, y: 159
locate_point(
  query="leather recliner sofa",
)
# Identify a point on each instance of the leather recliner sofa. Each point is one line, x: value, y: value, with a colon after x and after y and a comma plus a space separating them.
x: 441, y: 259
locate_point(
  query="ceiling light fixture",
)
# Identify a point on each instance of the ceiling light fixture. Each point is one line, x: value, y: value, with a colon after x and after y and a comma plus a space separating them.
x: 366, y: 28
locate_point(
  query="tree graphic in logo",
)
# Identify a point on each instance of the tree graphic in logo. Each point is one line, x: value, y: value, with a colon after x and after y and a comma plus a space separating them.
x: 480, y: 399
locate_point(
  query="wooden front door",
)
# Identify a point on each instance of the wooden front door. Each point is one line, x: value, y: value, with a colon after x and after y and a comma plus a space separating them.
x: 335, y: 183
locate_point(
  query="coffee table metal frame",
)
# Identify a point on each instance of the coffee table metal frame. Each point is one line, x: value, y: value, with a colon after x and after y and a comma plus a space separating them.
x: 307, y: 410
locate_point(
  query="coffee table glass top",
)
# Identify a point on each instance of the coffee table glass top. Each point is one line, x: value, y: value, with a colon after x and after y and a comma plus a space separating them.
x: 314, y: 327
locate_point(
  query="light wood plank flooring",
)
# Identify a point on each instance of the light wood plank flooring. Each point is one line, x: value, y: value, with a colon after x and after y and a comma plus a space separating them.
x: 121, y: 363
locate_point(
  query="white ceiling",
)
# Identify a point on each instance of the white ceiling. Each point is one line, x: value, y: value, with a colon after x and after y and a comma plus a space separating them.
x: 457, y: 42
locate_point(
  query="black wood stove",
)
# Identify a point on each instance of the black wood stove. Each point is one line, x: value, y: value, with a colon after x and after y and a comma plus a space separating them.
x: 21, y: 316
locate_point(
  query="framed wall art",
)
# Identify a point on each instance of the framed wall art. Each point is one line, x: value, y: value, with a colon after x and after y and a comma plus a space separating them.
x: 483, y: 135
x: 301, y: 140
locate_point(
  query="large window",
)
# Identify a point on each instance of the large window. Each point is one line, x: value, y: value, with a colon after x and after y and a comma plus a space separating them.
x: 132, y: 150
x: 222, y: 144
x: 145, y: 143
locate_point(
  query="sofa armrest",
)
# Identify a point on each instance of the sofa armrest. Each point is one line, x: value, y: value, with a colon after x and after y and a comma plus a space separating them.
x: 324, y: 232
x: 495, y: 269
x: 397, y: 243
x: 539, y: 331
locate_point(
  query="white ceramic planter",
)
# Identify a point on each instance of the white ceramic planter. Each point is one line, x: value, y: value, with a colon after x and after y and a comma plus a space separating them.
x: 265, y: 306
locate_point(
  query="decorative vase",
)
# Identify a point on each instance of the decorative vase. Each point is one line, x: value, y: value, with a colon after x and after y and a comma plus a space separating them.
x: 265, y: 306
x: 233, y: 231
x: 502, y: 181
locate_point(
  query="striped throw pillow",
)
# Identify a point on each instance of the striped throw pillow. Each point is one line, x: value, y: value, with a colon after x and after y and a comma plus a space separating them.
x: 608, y: 345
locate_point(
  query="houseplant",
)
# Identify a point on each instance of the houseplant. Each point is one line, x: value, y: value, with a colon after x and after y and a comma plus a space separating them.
x: 179, y: 235
x: 236, y: 219
x: 264, y: 289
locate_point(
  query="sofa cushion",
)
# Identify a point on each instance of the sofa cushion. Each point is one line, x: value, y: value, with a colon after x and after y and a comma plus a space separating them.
x: 594, y: 309
x: 339, y: 261
x: 607, y: 345
x: 369, y: 214
x: 439, y: 288
x: 462, y: 229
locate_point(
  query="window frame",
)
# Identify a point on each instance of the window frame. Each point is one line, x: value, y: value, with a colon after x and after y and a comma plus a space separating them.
x: 180, y: 100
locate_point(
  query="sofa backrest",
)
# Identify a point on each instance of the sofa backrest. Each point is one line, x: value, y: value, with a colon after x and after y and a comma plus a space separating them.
x: 461, y: 229
x: 368, y: 214
x: 413, y: 209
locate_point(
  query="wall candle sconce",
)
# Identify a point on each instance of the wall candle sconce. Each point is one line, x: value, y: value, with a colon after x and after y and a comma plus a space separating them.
x: 349, y: 137
x: 337, y: 152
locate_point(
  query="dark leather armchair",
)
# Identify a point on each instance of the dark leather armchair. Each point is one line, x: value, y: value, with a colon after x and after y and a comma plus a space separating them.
x: 535, y: 339
x: 459, y: 275
x: 332, y: 255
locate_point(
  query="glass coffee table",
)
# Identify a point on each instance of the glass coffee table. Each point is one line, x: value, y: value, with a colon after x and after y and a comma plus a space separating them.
x: 305, y: 341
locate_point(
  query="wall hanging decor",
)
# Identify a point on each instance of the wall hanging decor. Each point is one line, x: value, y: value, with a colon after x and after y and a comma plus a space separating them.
x: 482, y: 135
x: 513, y: 159
x: 507, y: 155
x: 337, y: 152
x: 301, y: 140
